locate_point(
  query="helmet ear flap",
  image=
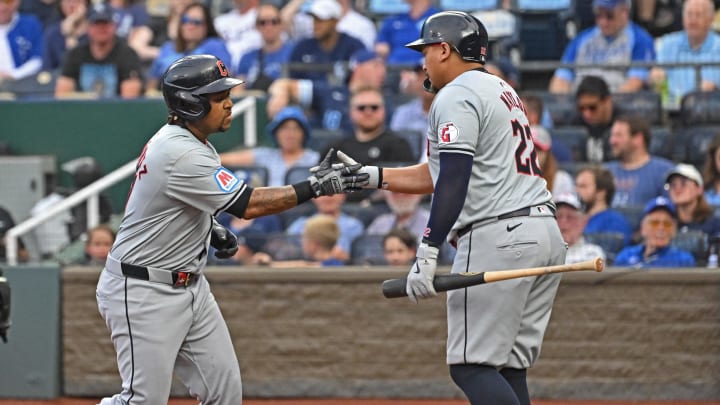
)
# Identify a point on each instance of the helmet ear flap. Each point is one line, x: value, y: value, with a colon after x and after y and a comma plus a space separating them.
x: 189, y: 106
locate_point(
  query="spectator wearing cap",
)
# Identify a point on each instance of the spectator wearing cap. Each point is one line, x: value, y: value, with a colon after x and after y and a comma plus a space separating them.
x: 614, y: 39
x: 21, y: 42
x: 685, y: 188
x: 595, y: 188
x: 571, y: 221
x: 657, y: 228
x: 638, y: 175
x: 558, y: 181
x: 237, y: 28
x: 397, y: 30
x: 328, y: 103
x: 351, y: 22
x: 196, y: 35
x: 104, y: 66
x: 289, y: 132
x: 260, y: 67
x: 326, y: 47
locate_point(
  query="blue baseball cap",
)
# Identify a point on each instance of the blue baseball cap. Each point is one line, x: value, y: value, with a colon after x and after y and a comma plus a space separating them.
x: 100, y: 13
x: 289, y: 113
x: 609, y: 4
x: 660, y: 203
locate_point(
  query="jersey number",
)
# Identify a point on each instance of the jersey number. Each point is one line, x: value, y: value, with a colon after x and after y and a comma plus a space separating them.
x: 140, y: 169
x: 526, y: 159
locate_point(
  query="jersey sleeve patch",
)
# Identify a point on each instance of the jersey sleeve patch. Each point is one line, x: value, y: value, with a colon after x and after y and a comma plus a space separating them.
x: 447, y: 133
x: 226, y: 179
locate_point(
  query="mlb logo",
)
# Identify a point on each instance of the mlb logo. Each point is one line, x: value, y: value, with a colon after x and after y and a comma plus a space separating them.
x: 226, y: 180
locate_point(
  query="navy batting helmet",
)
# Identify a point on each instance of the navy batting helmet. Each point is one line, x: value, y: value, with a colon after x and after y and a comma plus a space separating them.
x: 465, y: 33
x: 189, y: 79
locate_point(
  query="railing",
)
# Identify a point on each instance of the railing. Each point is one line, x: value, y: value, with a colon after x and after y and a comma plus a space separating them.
x: 90, y: 193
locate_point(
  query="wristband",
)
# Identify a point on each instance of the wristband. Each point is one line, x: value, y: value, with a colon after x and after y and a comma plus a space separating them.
x: 303, y: 191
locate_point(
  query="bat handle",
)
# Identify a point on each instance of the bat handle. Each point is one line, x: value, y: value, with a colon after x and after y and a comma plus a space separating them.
x: 394, y: 288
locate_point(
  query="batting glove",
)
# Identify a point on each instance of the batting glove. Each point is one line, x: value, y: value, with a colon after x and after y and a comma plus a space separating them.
x: 362, y: 176
x: 326, y: 178
x: 224, y: 241
x: 421, y: 275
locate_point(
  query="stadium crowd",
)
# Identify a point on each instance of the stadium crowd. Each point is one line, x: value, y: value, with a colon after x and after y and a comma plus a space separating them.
x: 627, y: 127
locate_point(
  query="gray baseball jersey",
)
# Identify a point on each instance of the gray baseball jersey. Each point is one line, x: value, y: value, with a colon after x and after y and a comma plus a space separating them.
x: 499, y: 324
x: 157, y: 329
x: 178, y: 185
x: 480, y: 115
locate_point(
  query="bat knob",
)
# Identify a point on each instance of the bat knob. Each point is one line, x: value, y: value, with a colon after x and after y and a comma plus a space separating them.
x: 599, y: 264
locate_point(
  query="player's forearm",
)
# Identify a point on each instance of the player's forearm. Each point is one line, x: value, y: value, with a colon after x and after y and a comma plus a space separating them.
x: 270, y: 200
x: 410, y: 180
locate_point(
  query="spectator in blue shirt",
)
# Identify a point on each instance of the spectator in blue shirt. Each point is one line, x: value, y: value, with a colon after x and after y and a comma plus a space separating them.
x: 595, y: 188
x: 638, y: 175
x: 696, y: 43
x: 21, y: 42
x: 614, y: 39
x: 196, y: 36
x: 658, y: 228
x: 685, y: 187
x: 328, y: 46
x: 398, y: 30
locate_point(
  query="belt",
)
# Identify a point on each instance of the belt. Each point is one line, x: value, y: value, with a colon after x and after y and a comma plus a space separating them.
x: 171, y: 277
x: 522, y: 212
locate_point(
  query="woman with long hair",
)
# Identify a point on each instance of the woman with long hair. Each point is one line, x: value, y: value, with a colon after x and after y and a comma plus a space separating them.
x: 711, y: 172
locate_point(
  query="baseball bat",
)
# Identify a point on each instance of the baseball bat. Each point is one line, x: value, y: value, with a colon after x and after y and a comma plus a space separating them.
x: 395, y: 288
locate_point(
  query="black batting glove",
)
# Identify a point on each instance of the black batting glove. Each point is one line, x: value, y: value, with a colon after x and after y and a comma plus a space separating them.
x: 224, y: 241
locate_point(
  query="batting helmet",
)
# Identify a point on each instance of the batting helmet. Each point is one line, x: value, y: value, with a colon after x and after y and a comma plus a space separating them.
x: 465, y: 33
x: 189, y: 79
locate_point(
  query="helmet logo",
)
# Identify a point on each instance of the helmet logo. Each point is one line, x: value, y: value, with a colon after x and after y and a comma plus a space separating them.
x: 221, y: 67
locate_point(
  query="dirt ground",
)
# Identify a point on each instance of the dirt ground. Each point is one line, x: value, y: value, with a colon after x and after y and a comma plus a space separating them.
x: 87, y: 401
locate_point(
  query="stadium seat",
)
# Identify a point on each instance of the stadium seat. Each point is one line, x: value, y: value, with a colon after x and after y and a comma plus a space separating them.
x: 368, y: 250
x: 646, y: 104
x: 574, y: 137
x: 289, y: 216
x: 633, y: 214
x: 322, y: 138
x: 695, y: 142
x: 34, y: 87
x: 562, y: 107
x: 661, y: 144
x: 700, y: 108
x: 415, y: 139
x: 366, y: 213
x: 254, y: 175
x: 281, y: 246
x: 695, y: 242
x: 503, y: 35
x: 545, y: 26
x: 377, y: 9
x: 470, y: 5
x: 611, y: 242
x: 297, y: 174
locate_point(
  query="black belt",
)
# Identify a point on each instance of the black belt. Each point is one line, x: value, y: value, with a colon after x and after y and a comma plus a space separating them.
x: 522, y: 212
x: 176, y: 279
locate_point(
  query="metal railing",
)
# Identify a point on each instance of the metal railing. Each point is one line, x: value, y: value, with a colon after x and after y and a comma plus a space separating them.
x: 247, y: 105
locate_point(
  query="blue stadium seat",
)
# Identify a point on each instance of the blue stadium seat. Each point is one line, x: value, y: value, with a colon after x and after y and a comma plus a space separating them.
x: 545, y: 26
x: 254, y: 175
x: 281, y: 246
x: 574, y: 137
x: 695, y: 242
x: 368, y: 250
x: 646, y: 104
x: 366, y: 213
x: 322, y: 138
x: 661, y: 144
x: 470, y: 5
x: 415, y: 139
x: 302, y: 210
x: 379, y: 8
x: 695, y: 141
x: 562, y: 107
x: 633, y: 214
x: 297, y: 174
x: 700, y: 108
x: 611, y: 242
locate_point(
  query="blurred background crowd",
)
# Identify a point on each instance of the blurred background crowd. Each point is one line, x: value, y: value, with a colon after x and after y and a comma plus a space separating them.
x: 623, y: 98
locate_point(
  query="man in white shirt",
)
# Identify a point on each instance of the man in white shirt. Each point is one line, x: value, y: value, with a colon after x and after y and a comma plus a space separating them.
x: 571, y: 221
x: 237, y: 28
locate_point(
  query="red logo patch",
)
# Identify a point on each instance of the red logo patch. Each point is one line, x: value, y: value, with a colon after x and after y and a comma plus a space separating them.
x: 223, y: 70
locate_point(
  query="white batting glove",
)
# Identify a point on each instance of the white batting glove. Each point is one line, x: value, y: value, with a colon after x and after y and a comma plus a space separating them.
x: 364, y: 177
x: 421, y: 275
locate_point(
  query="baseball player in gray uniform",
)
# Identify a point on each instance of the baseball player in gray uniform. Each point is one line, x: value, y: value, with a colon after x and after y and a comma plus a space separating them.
x: 488, y: 198
x: 152, y: 293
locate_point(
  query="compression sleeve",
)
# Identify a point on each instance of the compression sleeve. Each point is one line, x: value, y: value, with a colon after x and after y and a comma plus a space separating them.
x: 449, y: 196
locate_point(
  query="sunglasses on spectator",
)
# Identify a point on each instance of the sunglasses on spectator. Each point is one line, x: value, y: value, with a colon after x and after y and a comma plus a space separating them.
x: 660, y: 223
x: 371, y: 107
x: 587, y: 107
x: 607, y: 14
x: 194, y: 21
x: 677, y: 182
x: 270, y: 21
